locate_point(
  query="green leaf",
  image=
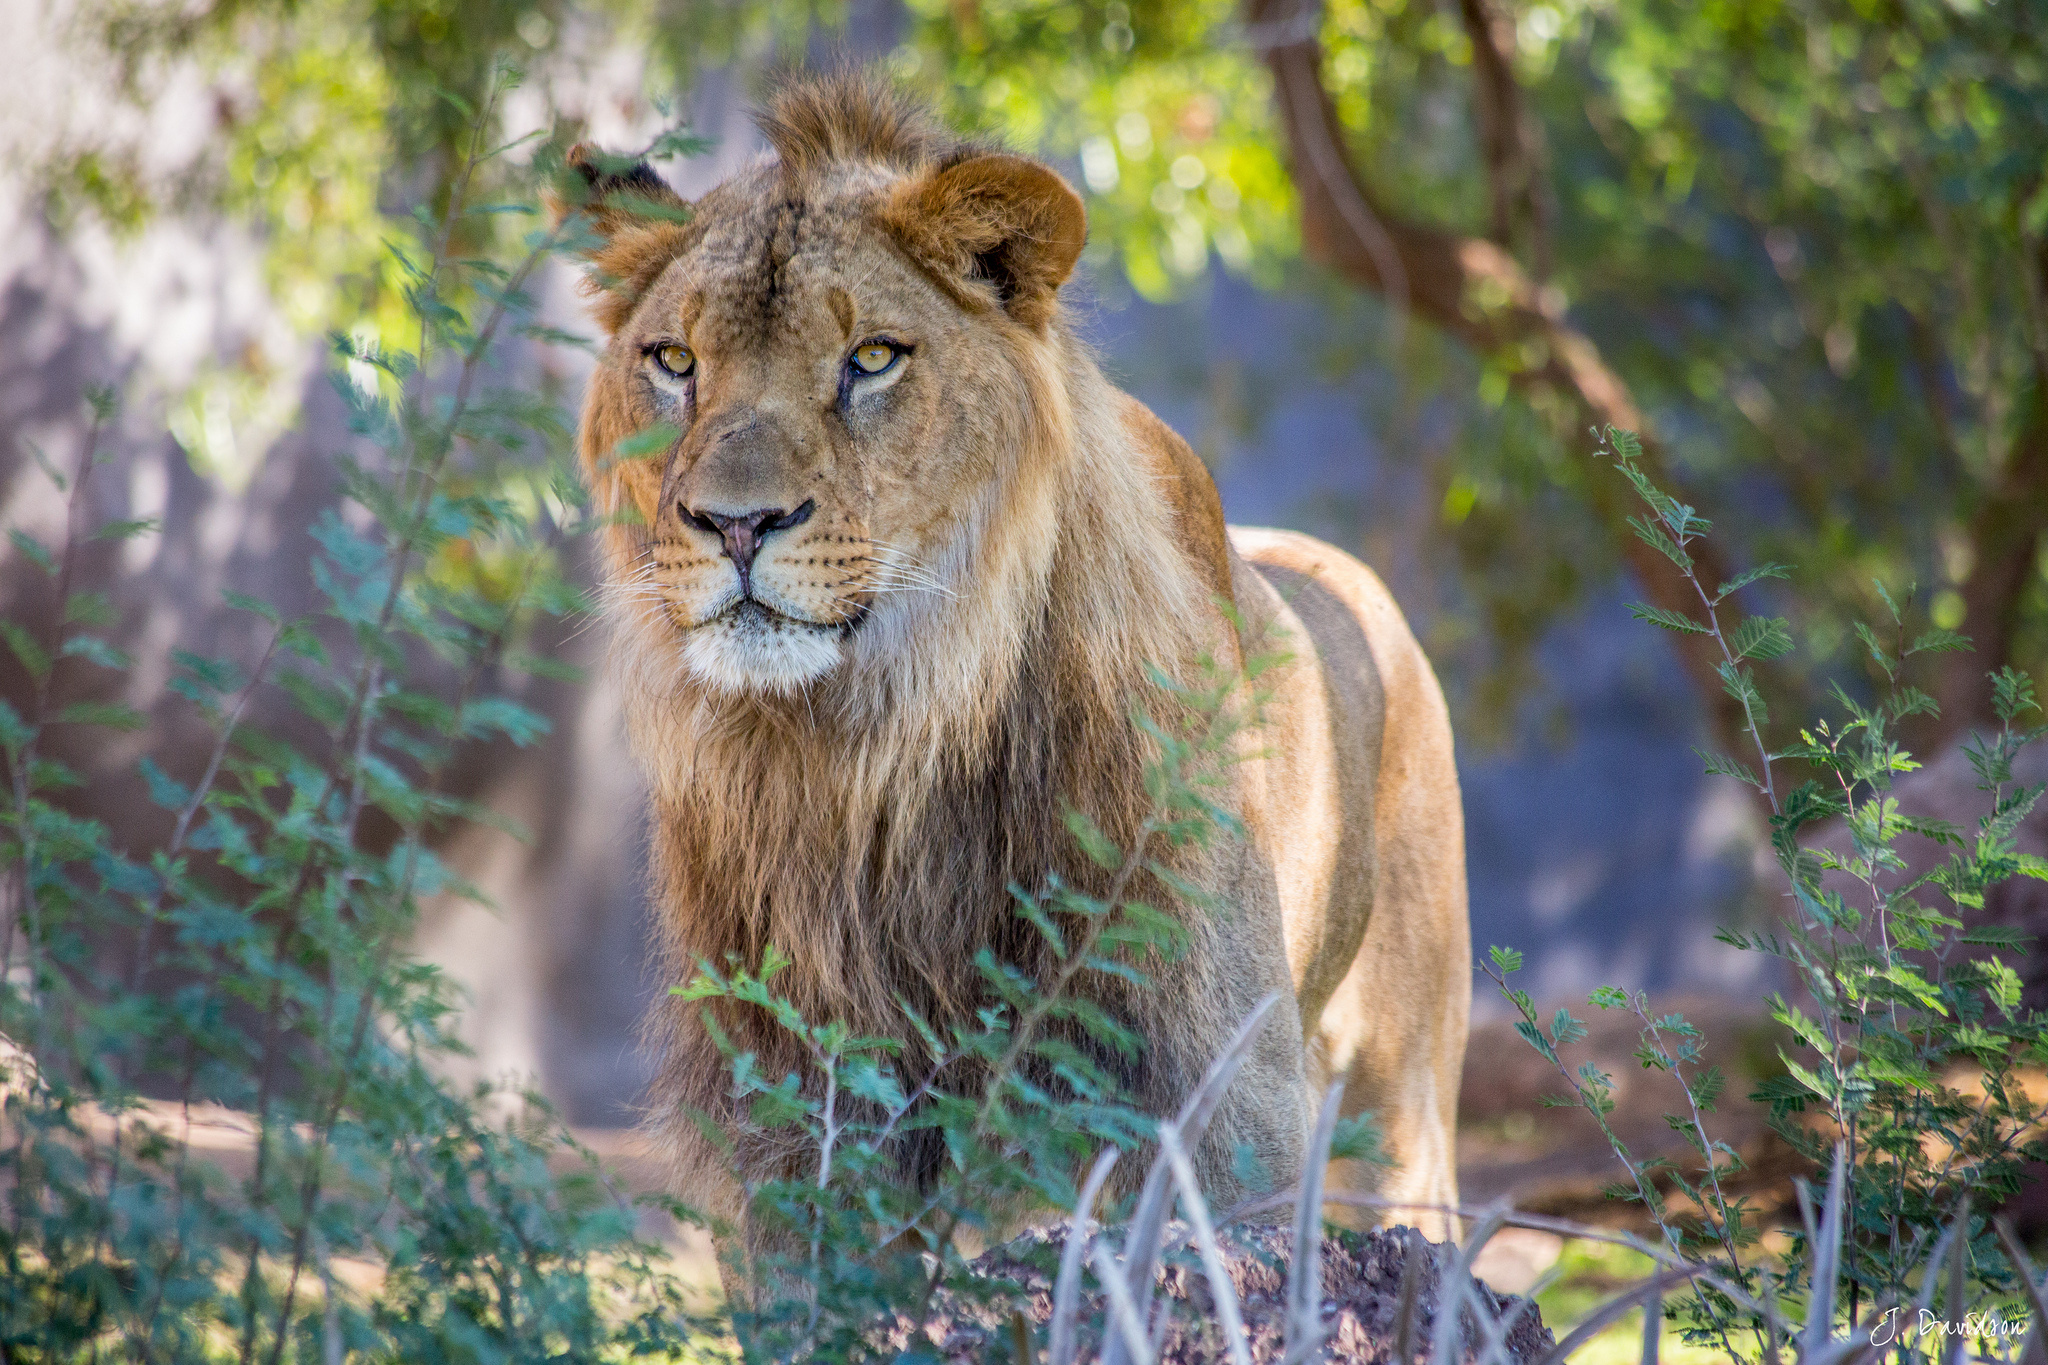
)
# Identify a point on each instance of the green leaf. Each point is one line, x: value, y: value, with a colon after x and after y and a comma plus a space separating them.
x: 1875, y: 646
x: 320, y: 700
x: 1940, y: 641
x: 352, y: 553
x: 1911, y: 701
x: 1654, y: 537
x: 540, y: 666
x: 1998, y: 936
x: 1743, y: 580
x: 1785, y: 1094
x: 1670, y: 620
x: 241, y: 601
x: 127, y: 530
x: 112, y: 715
x: 1720, y: 765
x: 90, y: 609
x: 298, y: 638
x: 2002, y: 985
x: 48, y: 466
x: 1761, y: 637
x: 215, y: 675
x: 95, y: 650
x: 654, y: 440
x: 1891, y: 1071
x: 706, y: 985
x: 1609, y: 998
x: 870, y: 1082
x: 1359, y: 1139
x: 2012, y: 692
x: 522, y: 725
x: 1807, y: 1030
x: 1565, y: 1029
x: 1738, y: 683
x: 33, y: 656
x: 164, y: 790
x: 1707, y: 1087
x: 1915, y: 985
x: 34, y: 550
x: 1100, y: 848
x: 1805, y: 1077
x: 1029, y: 908
x: 1505, y: 960
x: 1534, y: 1037
x: 14, y: 731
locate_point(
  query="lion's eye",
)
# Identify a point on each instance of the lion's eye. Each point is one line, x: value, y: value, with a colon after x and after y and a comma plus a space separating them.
x: 675, y: 360
x: 874, y: 357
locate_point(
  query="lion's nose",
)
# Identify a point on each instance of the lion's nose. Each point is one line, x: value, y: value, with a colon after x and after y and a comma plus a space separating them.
x: 742, y: 533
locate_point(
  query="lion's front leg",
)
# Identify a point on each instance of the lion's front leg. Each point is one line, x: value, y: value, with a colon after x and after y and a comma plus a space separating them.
x: 1256, y: 1140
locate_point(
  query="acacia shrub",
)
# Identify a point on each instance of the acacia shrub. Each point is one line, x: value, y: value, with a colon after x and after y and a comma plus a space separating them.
x: 1910, y: 1047
x: 252, y: 968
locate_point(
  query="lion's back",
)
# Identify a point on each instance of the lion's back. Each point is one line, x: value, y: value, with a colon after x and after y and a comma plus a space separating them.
x: 1385, y: 723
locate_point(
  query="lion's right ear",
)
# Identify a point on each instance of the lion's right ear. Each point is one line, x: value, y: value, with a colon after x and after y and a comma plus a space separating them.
x: 629, y: 226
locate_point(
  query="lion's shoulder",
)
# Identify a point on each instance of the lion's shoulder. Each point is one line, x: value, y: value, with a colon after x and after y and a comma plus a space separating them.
x: 1190, y: 493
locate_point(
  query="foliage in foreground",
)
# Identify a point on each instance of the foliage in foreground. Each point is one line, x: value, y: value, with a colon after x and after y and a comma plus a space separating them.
x: 1911, y: 1053
x: 252, y: 969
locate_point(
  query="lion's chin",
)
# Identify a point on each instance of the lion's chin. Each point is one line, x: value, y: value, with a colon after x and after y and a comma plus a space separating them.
x: 752, y: 649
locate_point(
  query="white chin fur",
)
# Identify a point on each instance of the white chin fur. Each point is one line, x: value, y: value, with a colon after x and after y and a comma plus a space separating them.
x: 750, y: 652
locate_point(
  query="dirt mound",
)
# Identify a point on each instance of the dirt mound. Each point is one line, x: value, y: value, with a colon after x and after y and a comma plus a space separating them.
x: 1361, y: 1302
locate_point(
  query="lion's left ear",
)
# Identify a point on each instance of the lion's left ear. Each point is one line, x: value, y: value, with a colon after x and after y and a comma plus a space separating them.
x: 635, y: 226
x: 1010, y: 223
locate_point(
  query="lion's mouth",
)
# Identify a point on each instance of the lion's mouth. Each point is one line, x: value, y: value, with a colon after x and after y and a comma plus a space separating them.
x: 752, y: 613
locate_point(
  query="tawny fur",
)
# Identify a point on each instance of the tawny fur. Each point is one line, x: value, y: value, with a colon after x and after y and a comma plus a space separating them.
x: 991, y: 545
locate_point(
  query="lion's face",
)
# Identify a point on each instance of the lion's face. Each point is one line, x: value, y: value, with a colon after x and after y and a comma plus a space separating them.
x: 840, y: 394
x: 816, y: 384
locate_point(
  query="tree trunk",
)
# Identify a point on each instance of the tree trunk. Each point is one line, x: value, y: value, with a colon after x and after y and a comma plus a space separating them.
x: 1476, y: 291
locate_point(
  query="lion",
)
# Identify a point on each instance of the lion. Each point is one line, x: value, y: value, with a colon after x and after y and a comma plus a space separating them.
x: 882, y: 606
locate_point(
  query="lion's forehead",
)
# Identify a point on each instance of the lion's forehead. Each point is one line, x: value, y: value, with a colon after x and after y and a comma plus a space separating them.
x: 769, y: 260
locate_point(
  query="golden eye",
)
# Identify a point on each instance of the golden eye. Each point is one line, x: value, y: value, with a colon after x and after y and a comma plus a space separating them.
x: 675, y: 360
x: 874, y: 357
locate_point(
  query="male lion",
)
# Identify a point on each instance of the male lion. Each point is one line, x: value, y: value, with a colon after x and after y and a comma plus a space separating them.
x: 885, y: 602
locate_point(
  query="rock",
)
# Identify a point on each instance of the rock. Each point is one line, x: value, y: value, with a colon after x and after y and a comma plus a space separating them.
x: 1361, y: 1302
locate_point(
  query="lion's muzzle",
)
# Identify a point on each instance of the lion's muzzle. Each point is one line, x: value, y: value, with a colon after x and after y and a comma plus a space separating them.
x: 741, y: 534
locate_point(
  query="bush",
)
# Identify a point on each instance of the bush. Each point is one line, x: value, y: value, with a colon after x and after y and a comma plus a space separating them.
x: 253, y: 967
x: 1899, y: 1015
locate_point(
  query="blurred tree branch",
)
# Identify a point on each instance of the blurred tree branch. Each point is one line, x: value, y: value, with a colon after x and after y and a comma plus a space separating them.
x: 2005, y: 539
x: 1509, y: 143
x: 1475, y: 290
